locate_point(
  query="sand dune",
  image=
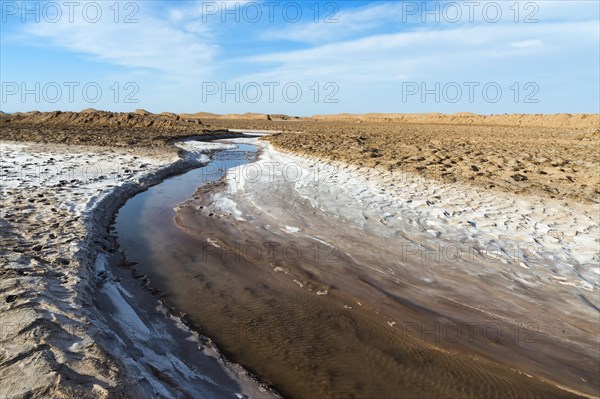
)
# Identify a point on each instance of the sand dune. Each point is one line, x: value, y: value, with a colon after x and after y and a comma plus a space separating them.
x: 582, y: 121
x: 92, y: 127
x: 208, y: 115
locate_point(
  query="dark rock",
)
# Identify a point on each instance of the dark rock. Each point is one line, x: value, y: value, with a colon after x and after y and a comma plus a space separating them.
x: 519, y: 177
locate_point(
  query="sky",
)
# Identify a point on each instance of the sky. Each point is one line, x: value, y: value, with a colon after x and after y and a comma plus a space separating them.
x: 301, y: 57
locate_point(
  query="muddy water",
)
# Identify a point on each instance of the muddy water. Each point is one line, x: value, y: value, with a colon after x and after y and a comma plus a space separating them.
x: 275, y: 304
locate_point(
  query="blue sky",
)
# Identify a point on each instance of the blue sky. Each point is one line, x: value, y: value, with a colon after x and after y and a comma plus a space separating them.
x: 301, y: 58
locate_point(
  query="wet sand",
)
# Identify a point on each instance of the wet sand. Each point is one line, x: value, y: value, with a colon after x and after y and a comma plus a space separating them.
x: 309, y: 317
x: 318, y: 324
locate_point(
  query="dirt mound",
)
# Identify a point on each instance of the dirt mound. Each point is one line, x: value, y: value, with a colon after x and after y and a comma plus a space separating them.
x: 170, y: 115
x: 200, y: 115
x: 282, y: 117
x: 247, y: 116
x: 94, y: 127
x: 91, y: 118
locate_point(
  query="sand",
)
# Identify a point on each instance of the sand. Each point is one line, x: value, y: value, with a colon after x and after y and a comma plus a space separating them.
x: 549, y: 162
x: 489, y: 183
x: 577, y: 121
x: 572, y: 121
x: 99, y: 128
x: 544, y: 155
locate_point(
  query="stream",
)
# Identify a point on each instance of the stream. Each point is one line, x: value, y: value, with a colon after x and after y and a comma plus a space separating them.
x: 305, y: 345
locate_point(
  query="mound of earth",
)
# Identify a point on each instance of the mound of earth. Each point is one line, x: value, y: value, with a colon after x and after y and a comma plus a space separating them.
x: 92, y: 127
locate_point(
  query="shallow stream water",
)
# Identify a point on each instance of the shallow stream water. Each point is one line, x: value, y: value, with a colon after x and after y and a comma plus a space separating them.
x: 313, y: 343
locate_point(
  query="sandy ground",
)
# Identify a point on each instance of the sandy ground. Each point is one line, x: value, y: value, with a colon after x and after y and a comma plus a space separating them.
x: 549, y: 162
x: 545, y: 155
x: 474, y: 256
x: 577, y: 121
x: 424, y: 181
x: 563, y: 121
x: 70, y: 327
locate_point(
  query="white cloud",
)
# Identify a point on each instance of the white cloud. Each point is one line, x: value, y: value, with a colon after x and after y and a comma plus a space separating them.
x: 160, y: 45
x: 370, y: 70
x: 333, y: 24
x: 386, y: 17
x: 430, y: 53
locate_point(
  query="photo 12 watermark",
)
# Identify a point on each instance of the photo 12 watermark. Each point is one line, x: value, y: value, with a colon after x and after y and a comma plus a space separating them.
x: 470, y: 92
x: 271, y: 92
x: 69, y: 92
x: 270, y: 171
x: 268, y: 252
x: 470, y: 333
x: 53, y: 12
x: 72, y: 174
x: 454, y: 12
x: 271, y: 12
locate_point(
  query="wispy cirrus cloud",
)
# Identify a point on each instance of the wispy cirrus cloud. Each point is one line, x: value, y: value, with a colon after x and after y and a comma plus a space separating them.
x: 370, y: 71
x: 177, y: 50
x: 427, y: 52
x: 405, y: 16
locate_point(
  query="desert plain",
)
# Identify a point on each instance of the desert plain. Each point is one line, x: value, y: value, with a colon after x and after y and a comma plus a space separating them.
x: 77, y: 321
